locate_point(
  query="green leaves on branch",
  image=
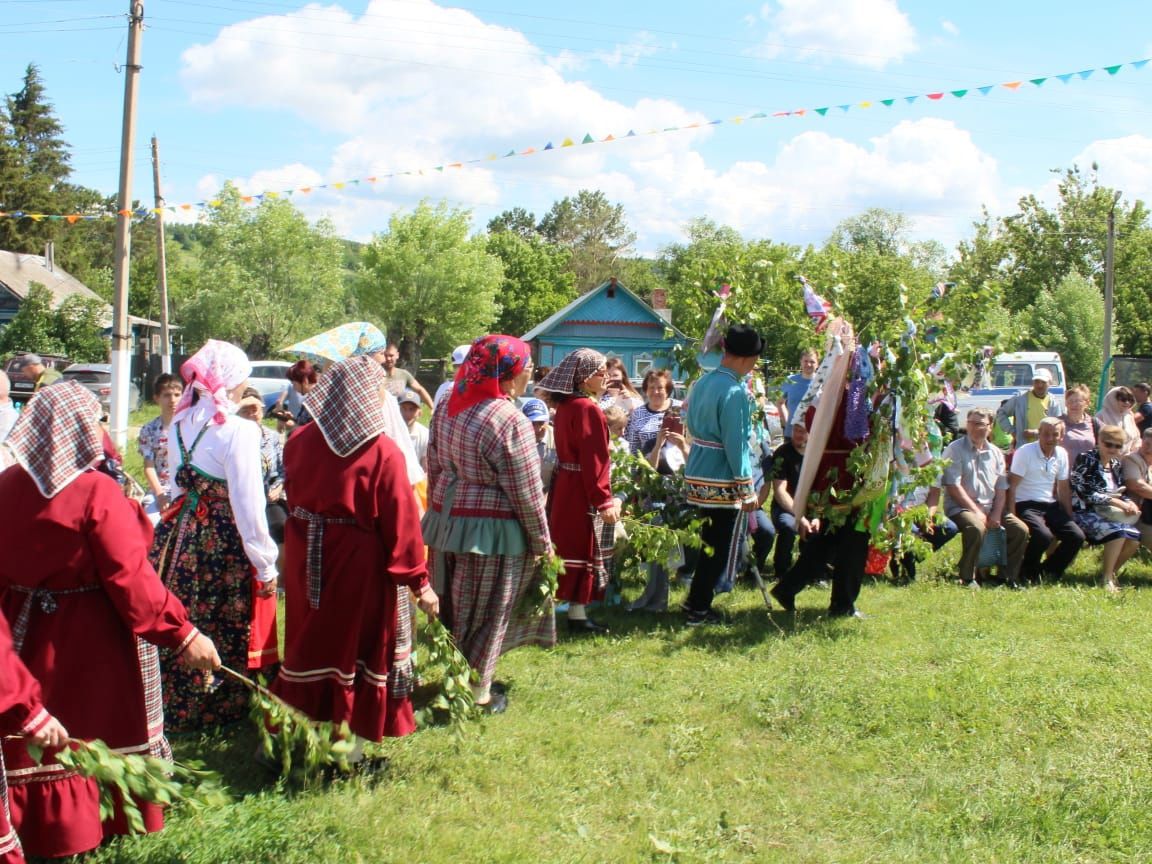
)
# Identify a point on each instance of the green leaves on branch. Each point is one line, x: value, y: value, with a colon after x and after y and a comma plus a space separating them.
x: 298, y: 742
x: 124, y: 779
x: 439, y: 657
x: 540, y: 598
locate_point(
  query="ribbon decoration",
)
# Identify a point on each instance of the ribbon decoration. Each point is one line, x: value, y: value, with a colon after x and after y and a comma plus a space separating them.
x: 1012, y: 86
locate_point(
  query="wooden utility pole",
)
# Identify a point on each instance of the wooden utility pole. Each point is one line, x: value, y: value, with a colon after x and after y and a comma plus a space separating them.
x: 121, y: 334
x: 161, y: 262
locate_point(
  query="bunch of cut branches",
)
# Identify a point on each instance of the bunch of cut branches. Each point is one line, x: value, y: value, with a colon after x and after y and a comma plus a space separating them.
x: 440, y: 658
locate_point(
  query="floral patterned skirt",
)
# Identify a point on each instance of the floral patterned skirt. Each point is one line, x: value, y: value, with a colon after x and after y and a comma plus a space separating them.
x: 200, y: 557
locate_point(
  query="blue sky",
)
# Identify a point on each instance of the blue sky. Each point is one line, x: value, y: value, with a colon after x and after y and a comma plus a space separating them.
x: 282, y: 95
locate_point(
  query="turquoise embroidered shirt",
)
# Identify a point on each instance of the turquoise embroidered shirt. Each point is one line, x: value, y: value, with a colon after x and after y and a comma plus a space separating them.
x: 719, y: 418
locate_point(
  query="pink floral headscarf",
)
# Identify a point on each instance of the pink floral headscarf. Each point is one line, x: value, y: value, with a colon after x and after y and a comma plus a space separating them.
x: 212, y: 371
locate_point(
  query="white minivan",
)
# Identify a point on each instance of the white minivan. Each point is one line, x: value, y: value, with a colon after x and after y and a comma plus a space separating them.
x: 1007, y: 374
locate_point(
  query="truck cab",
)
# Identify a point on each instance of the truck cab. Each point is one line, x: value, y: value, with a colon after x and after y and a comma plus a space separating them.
x: 1005, y: 375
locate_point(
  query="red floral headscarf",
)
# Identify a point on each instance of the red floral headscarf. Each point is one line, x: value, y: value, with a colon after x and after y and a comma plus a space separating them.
x: 491, y: 359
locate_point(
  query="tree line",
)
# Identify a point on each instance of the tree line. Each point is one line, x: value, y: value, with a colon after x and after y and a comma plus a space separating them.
x: 263, y: 276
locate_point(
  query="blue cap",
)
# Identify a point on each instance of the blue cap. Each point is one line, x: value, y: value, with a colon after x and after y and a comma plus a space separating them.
x: 536, y: 411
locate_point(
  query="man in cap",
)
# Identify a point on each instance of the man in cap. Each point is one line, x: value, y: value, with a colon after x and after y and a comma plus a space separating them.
x: 410, y: 410
x: 459, y: 355
x: 1021, y: 414
x: 718, y: 474
x: 36, y: 372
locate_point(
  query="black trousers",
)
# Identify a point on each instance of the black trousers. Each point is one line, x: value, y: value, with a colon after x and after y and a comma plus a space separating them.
x: 719, y: 532
x: 1047, y: 522
x: 846, y: 549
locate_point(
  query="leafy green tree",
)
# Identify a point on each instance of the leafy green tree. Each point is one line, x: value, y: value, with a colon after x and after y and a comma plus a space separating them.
x: 433, y: 284
x: 1070, y: 319
x: 595, y: 232
x: 79, y: 325
x: 33, y: 165
x: 266, y: 277
x: 33, y: 328
x: 536, y: 282
x: 517, y: 221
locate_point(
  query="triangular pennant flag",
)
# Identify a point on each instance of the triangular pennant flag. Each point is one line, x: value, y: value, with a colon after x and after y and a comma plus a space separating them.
x: 1066, y: 77
x: 567, y: 142
x: 247, y: 199
x: 610, y: 137
x: 260, y: 196
x: 865, y: 104
x: 986, y: 89
x: 799, y: 112
x: 354, y: 182
x: 959, y: 94
x: 456, y: 165
x: 527, y: 152
x: 491, y: 157
x: 371, y: 179
x: 272, y: 194
x: 1085, y: 74
x: 1037, y: 81
x: 671, y: 128
x: 1012, y: 85
x: 715, y: 122
x: 910, y: 99
x: 305, y: 189
x: 440, y: 168
x: 843, y: 107
x: 55, y: 218
x: 37, y: 217
x: 759, y: 115
x: 189, y: 206
x: 215, y: 202
x: 118, y: 212
x: 72, y: 219
x: 630, y: 134
x: 934, y: 95
x: 588, y: 139
x: 821, y: 111
x: 289, y: 192
x: 736, y: 120
x: 548, y: 146
x: 1139, y: 64
x: 782, y: 114
x: 691, y: 126
x: 888, y: 102
x: 509, y: 153
x: 337, y: 185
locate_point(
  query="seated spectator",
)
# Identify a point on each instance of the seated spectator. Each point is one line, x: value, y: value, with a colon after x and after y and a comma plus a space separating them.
x: 783, y: 472
x: 1081, y: 429
x: 1038, y: 486
x: 1143, y: 409
x: 1116, y: 410
x: 1100, y: 506
x: 1136, y: 472
x: 976, y: 485
x: 537, y: 412
x: 1021, y: 414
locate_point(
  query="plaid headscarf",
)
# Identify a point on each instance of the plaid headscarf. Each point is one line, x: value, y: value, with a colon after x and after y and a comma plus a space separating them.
x: 58, y: 436
x: 213, y: 370
x: 345, y: 404
x: 490, y: 360
x: 572, y: 371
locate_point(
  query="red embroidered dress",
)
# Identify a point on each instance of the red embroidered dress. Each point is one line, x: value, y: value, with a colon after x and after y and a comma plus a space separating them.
x: 76, y: 585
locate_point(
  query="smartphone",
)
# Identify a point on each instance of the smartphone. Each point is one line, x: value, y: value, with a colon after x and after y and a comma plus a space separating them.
x: 672, y: 423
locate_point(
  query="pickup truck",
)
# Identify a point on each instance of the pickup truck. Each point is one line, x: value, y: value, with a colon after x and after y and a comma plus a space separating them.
x: 1006, y: 375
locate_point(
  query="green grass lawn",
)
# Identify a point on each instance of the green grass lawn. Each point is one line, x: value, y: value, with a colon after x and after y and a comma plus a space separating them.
x: 952, y: 725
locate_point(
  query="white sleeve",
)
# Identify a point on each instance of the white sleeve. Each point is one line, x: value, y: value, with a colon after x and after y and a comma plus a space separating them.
x: 242, y: 470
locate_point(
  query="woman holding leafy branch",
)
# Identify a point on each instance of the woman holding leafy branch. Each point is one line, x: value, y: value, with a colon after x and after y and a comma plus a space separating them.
x: 584, y: 512
x: 486, y: 522
x: 352, y: 552
x: 86, y: 608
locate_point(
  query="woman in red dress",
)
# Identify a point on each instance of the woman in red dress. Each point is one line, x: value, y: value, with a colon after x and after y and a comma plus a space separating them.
x: 86, y: 609
x: 584, y: 512
x: 352, y: 551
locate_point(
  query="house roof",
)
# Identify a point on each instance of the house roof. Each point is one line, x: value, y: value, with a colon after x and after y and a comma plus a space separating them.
x: 565, y: 313
x: 18, y: 270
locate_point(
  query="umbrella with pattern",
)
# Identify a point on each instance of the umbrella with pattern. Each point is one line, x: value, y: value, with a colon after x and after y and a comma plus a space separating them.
x: 340, y: 343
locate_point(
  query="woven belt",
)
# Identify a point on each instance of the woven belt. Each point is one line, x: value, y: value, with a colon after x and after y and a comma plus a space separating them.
x: 47, y: 601
x: 316, y: 525
x: 568, y: 466
x: 707, y: 445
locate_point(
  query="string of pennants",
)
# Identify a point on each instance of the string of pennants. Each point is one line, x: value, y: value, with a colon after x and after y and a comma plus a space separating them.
x: 342, y: 185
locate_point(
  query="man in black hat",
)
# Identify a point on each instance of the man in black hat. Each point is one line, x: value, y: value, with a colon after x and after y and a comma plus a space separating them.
x: 718, y: 473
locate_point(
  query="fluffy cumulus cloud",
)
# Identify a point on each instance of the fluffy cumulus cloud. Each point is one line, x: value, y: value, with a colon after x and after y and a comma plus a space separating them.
x: 1122, y: 163
x: 869, y: 33
x: 407, y: 88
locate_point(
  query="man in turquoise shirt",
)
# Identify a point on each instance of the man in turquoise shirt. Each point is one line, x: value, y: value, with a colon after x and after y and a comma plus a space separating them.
x: 718, y: 473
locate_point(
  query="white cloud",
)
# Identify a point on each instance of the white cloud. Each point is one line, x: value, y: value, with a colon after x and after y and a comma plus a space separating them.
x: 950, y: 28
x: 870, y: 33
x: 1122, y: 163
x: 622, y: 55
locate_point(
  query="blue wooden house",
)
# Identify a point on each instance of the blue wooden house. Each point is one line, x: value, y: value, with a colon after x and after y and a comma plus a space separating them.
x: 614, y: 321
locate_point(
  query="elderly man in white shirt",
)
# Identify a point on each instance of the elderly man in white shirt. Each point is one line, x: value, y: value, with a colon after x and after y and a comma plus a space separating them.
x: 1042, y: 498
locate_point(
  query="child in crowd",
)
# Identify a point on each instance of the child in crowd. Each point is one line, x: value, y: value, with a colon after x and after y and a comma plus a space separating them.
x: 153, y: 445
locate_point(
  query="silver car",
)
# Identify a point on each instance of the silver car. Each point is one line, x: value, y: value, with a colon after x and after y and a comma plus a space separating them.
x: 97, y: 377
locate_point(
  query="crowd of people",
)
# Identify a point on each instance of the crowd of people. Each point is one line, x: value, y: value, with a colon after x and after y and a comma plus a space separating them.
x: 359, y: 514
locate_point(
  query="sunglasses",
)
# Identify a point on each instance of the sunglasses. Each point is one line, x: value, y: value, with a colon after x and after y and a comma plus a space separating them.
x: 1127, y: 399
x: 1111, y: 445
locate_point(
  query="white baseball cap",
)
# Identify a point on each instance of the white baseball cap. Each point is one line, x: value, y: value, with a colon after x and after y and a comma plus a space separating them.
x: 1043, y: 375
x: 460, y: 354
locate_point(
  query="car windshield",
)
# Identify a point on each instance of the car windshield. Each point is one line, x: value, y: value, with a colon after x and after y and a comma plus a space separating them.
x: 87, y: 376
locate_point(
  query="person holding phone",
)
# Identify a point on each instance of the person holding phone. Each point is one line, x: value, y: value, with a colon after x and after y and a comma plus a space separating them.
x: 618, y: 390
x: 657, y: 425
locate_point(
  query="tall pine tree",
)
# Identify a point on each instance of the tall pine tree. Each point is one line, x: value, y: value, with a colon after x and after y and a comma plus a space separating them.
x: 33, y: 166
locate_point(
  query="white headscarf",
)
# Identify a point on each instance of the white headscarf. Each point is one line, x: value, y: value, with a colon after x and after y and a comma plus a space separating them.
x: 211, y: 372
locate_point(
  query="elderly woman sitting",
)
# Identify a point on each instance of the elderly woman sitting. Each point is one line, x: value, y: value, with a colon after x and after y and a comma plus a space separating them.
x: 1102, y: 508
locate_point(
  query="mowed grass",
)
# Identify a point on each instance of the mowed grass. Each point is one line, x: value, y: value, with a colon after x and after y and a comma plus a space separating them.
x: 952, y: 725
